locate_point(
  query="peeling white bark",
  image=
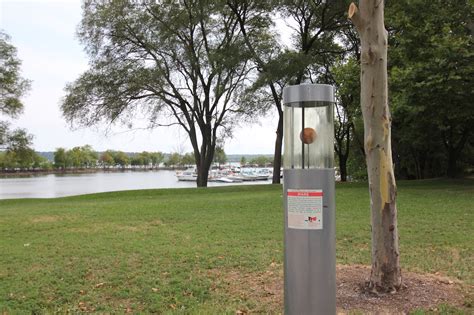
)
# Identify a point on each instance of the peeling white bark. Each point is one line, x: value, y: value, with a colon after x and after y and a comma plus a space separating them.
x: 369, y: 21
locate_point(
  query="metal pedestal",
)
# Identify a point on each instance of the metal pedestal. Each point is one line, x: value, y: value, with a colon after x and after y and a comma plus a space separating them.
x: 310, y: 255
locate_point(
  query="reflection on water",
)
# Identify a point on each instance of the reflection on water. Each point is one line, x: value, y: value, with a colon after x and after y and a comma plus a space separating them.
x: 60, y: 185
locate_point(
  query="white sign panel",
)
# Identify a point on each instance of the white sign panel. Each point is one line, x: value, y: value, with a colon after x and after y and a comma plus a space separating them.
x: 305, y: 209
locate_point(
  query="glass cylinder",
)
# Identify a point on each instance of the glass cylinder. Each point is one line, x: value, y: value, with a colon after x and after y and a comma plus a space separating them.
x: 308, y: 126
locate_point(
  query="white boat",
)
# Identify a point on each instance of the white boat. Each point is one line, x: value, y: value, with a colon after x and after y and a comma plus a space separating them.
x: 190, y: 175
x: 187, y: 176
x: 254, y: 175
x: 235, y: 179
x: 222, y: 176
x: 223, y: 180
x: 264, y: 173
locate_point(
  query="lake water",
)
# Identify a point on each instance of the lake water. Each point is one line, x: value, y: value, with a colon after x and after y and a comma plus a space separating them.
x: 60, y: 185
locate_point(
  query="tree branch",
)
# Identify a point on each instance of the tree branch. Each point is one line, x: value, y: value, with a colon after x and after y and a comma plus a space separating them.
x: 356, y: 18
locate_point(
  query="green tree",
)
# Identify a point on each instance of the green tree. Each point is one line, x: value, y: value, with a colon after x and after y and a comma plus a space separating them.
x: 12, y: 88
x: 18, y: 149
x: 61, y: 158
x: 187, y: 159
x: 18, y: 139
x: 89, y: 156
x: 107, y: 159
x: 255, y: 22
x: 3, y: 160
x: 12, y: 85
x: 83, y: 156
x: 346, y: 79
x: 432, y: 71
x: 369, y: 21
x: 146, y: 158
x: 40, y: 162
x: 317, y: 24
x: 243, y: 161
x: 174, y: 159
x: 121, y: 159
x: 22, y: 158
x: 136, y: 160
x: 179, y: 59
x: 7, y: 160
x: 220, y: 157
x: 157, y: 158
x: 75, y: 157
x: 261, y: 161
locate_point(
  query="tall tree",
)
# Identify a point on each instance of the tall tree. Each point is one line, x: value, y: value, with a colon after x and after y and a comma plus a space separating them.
x: 107, y: 159
x: 146, y: 158
x: 174, y: 159
x: 369, y: 21
x: 220, y: 157
x: 348, y: 133
x: 179, y: 61
x: 243, y: 161
x: 18, y: 148
x: 121, y: 158
x: 188, y: 160
x: 12, y: 85
x: 432, y: 71
x: 12, y: 88
x: 157, y: 158
x: 346, y: 79
x: 255, y: 21
x: 61, y: 158
x: 317, y: 23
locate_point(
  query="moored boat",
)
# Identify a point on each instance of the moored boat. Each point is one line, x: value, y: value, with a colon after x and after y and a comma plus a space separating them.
x: 187, y: 176
x: 227, y: 175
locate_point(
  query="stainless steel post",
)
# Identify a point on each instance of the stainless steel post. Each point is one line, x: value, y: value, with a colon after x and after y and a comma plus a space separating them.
x: 309, y: 203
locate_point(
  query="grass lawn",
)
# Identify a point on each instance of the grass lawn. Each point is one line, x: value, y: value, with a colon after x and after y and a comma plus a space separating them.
x: 162, y: 250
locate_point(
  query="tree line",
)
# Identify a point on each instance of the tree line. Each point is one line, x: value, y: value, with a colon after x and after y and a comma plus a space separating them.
x: 211, y: 66
x: 207, y: 66
x: 430, y: 69
x: 23, y: 159
x: 86, y: 157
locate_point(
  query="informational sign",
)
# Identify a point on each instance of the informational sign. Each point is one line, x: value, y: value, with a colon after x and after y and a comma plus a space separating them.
x: 305, y: 209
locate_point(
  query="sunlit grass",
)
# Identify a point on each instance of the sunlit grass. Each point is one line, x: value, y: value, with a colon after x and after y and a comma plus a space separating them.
x: 159, y: 250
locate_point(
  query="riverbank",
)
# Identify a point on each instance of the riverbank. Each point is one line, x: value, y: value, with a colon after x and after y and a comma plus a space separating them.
x: 208, y: 251
x: 62, y: 185
x: 27, y: 173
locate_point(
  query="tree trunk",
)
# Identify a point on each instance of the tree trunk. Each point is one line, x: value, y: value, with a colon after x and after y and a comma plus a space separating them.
x: 277, y: 154
x: 203, y: 167
x: 452, y: 165
x: 343, y: 167
x: 202, y: 176
x: 422, y: 162
x: 369, y: 21
x: 454, y: 151
x: 203, y: 156
x: 342, y: 156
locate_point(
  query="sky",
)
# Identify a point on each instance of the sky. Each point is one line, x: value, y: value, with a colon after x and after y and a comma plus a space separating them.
x: 44, y: 33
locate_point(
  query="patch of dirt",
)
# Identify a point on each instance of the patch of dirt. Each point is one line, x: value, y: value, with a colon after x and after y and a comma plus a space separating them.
x: 45, y: 219
x: 100, y: 226
x: 156, y: 222
x: 89, y: 228
x: 419, y: 291
x: 263, y: 292
x: 52, y: 218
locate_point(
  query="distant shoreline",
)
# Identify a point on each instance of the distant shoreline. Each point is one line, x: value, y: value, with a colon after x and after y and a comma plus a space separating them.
x: 27, y: 173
